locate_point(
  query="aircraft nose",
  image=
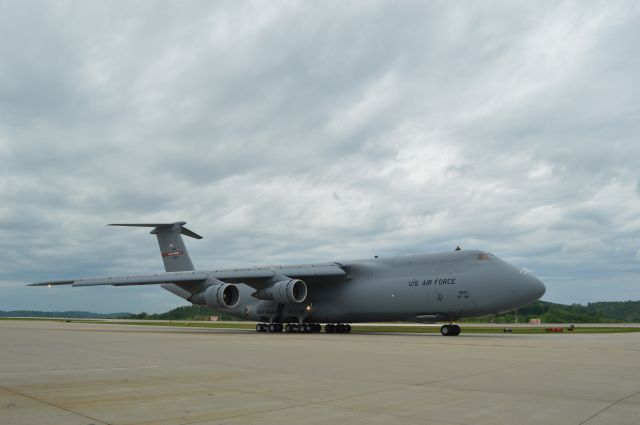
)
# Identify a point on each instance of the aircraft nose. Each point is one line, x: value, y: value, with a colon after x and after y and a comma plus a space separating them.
x: 533, y: 286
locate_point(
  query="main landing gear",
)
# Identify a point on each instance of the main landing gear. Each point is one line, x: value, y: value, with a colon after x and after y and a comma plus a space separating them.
x: 269, y: 327
x: 338, y: 328
x: 330, y: 328
x: 289, y: 327
x: 302, y: 327
x: 450, y: 330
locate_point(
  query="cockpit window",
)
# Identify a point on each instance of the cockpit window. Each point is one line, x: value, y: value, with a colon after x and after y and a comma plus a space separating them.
x: 484, y: 256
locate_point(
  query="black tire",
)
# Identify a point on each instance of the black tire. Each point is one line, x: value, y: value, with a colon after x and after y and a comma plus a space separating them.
x: 328, y: 328
x: 287, y: 328
x: 258, y: 327
x: 445, y: 330
x: 456, y: 330
x: 272, y: 327
x: 347, y: 328
x: 340, y: 328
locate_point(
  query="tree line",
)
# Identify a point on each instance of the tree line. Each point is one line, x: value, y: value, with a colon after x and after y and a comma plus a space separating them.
x: 547, y: 312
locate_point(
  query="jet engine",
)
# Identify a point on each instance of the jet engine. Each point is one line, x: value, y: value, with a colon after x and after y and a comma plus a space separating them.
x: 219, y: 295
x: 290, y: 291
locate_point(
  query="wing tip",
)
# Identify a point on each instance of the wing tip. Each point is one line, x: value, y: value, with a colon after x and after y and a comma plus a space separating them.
x: 52, y: 283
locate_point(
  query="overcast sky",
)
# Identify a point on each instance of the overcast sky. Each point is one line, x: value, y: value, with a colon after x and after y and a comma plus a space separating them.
x: 315, y: 131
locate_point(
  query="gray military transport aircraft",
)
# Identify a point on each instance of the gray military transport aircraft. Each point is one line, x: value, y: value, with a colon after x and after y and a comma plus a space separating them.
x: 424, y: 288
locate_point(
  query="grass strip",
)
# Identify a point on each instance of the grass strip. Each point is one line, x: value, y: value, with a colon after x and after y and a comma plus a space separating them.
x: 355, y: 328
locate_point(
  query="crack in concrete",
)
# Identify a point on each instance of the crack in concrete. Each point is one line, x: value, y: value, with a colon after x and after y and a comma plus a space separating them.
x: 608, y: 407
x: 12, y: 391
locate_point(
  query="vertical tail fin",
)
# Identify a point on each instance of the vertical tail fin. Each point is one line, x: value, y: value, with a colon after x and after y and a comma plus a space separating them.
x: 174, y: 252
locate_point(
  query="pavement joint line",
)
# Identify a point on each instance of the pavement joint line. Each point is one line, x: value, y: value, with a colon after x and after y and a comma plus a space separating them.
x: 610, y: 405
x: 77, y: 370
x: 451, y: 422
x: 12, y: 391
x: 299, y: 403
x: 483, y: 372
x: 419, y: 419
x: 239, y: 415
x: 396, y: 387
x: 244, y: 391
x: 312, y: 403
x: 218, y: 387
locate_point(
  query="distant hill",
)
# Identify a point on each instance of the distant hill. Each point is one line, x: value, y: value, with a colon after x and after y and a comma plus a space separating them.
x: 189, y: 312
x: 67, y: 314
x: 547, y: 312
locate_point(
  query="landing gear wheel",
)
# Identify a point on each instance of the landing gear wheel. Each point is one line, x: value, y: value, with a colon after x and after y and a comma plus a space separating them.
x: 287, y: 328
x: 347, y: 329
x: 329, y: 328
x: 450, y: 330
x: 258, y: 327
x: 272, y: 327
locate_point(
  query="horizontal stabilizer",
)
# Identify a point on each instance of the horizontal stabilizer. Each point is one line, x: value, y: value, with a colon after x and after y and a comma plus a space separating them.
x: 181, y: 224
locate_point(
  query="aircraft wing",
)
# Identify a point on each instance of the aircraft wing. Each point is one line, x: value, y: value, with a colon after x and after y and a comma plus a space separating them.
x: 258, y: 275
x: 150, y: 279
x: 255, y: 277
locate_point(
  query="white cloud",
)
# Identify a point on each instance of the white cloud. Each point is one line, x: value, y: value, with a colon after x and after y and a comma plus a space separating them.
x: 297, y: 132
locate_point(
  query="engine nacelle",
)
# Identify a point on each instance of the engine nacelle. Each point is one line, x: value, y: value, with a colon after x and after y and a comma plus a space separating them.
x: 290, y: 291
x: 220, y: 295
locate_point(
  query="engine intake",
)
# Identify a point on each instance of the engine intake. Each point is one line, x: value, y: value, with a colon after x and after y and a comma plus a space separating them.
x: 220, y: 295
x: 290, y: 291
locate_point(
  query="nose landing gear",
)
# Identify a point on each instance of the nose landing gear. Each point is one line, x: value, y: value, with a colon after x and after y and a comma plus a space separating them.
x: 450, y: 330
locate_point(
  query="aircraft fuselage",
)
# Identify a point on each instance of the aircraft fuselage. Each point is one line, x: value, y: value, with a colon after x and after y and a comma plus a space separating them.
x: 445, y: 286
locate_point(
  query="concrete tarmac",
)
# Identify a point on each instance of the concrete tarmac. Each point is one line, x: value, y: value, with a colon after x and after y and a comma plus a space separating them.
x: 81, y: 374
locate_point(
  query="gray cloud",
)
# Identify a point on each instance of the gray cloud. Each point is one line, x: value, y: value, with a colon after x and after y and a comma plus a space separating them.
x: 310, y: 132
